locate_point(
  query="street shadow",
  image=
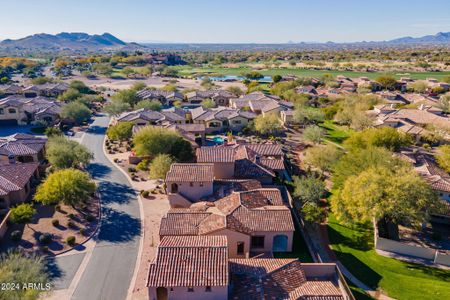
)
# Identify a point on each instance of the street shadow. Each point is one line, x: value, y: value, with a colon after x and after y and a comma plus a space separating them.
x: 112, y: 192
x: 118, y: 227
x: 98, y: 171
x: 52, y: 268
x: 96, y: 130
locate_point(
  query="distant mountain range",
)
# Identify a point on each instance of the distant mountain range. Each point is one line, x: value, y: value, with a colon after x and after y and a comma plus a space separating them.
x: 83, y: 42
x: 439, y: 38
x: 64, y: 41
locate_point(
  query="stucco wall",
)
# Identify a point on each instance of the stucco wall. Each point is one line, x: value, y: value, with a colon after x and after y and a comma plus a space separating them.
x: 268, y: 240
x: 193, y: 192
x: 442, y: 259
x: 233, y: 238
x: 199, y: 293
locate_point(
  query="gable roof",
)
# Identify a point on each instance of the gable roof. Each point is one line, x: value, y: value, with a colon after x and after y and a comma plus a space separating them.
x: 180, y: 172
x: 215, y: 154
x: 13, y: 177
x: 190, y: 261
x: 21, y: 144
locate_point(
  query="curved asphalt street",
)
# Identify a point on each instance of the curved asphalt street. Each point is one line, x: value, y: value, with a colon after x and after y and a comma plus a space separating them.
x: 110, y: 268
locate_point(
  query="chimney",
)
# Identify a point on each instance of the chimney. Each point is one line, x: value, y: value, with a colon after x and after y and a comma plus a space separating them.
x: 12, y: 159
x: 257, y: 159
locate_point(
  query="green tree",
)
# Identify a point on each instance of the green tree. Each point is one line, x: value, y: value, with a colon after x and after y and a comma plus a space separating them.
x: 154, y: 105
x: 80, y: 87
x: 387, y: 82
x: 160, y: 165
x: 69, y: 95
x: 128, y: 96
x: 208, y: 103
x: 22, y: 213
x: 235, y: 90
x: 69, y: 186
x: 378, y: 193
x: 268, y: 124
x: 52, y: 131
x: 76, y: 112
x: 116, y: 107
x: 63, y: 153
x: 323, y: 157
x: 309, y: 190
x: 276, y: 78
x: 386, y: 137
x: 253, y: 75
x: 307, y: 115
x: 313, y: 134
x: 121, y: 131
x: 444, y: 103
x: 21, y: 267
x: 357, y: 160
x: 151, y: 141
x: 443, y: 157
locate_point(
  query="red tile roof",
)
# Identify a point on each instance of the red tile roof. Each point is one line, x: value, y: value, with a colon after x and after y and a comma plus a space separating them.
x: 246, y: 212
x: 13, y: 177
x: 190, y: 173
x: 277, y: 279
x: 190, y: 261
x: 215, y: 154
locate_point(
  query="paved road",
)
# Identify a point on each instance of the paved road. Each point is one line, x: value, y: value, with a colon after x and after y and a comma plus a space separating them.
x: 110, y: 269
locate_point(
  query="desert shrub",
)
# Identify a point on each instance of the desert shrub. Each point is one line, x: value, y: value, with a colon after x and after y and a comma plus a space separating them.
x: 70, y: 240
x: 16, y: 235
x: 145, y: 194
x: 45, y: 238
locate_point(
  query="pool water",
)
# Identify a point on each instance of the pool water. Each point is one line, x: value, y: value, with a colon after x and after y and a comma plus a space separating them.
x: 218, y: 140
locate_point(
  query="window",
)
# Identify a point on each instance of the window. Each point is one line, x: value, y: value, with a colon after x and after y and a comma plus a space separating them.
x: 208, y: 289
x: 174, y: 188
x: 2, y: 111
x: 237, y: 122
x: 191, y: 184
x: 201, y: 183
x: 190, y: 289
x: 257, y: 241
x: 12, y: 111
x: 240, y: 248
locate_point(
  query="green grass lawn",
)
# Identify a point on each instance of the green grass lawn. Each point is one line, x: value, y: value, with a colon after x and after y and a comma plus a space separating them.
x: 188, y: 71
x: 335, y: 133
x: 400, y: 280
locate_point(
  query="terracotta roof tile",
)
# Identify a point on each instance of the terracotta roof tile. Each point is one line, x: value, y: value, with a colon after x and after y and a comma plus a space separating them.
x: 190, y: 173
x: 215, y: 154
x: 190, y: 261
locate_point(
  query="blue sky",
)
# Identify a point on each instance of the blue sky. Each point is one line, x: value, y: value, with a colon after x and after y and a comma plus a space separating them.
x: 228, y: 21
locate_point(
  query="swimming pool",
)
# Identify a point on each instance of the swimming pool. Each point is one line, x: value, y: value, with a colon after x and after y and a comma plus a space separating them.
x: 236, y: 78
x: 218, y: 140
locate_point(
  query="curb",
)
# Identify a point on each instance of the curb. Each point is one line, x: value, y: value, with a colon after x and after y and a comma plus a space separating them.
x: 141, y: 212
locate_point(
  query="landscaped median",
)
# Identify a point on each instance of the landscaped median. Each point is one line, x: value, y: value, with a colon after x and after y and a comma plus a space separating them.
x: 353, y: 246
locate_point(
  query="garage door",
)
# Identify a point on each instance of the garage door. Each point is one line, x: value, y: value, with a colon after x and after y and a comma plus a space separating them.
x: 8, y: 122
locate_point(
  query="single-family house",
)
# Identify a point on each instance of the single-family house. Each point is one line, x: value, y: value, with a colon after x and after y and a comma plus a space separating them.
x: 189, y: 268
x: 255, y: 221
x: 22, y: 148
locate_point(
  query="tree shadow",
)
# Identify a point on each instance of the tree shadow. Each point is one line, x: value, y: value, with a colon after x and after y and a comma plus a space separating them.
x: 96, y: 130
x: 118, y: 227
x: 359, y: 269
x: 112, y: 192
x: 98, y: 171
x: 363, y: 240
x: 52, y: 268
x: 55, y: 246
